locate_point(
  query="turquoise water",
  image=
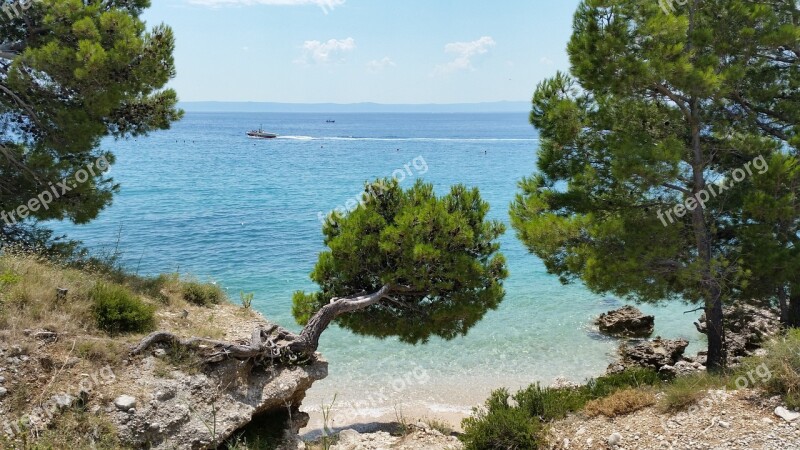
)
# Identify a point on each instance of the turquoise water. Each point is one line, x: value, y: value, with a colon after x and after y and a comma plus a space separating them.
x: 204, y: 199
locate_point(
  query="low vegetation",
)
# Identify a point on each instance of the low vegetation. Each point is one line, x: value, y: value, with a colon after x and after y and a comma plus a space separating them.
x: 687, y: 390
x: 521, y: 420
x: 87, y: 312
x: 202, y: 294
x: 620, y: 403
x: 522, y: 423
x: 778, y: 371
x: 117, y: 310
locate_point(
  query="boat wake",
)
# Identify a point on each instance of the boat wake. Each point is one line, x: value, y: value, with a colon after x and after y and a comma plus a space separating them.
x: 398, y: 139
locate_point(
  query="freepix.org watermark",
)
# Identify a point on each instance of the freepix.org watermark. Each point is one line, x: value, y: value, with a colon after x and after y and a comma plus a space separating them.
x: 418, y: 164
x: 43, y: 200
x: 668, y: 6
x: 713, y: 190
x: 15, y: 9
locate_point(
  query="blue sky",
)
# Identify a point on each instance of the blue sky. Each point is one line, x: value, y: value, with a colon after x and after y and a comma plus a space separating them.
x: 348, y: 51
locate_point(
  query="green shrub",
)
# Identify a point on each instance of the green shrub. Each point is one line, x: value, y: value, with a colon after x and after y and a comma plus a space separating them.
x: 247, y: 299
x: 8, y: 277
x: 635, y: 377
x: 117, y: 310
x: 687, y: 390
x: 501, y: 426
x: 778, y: 372
x: 202, y: 294
x: 548, y: 404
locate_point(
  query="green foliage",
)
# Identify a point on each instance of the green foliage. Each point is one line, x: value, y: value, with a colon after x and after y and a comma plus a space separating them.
x: 117, y: 310
x: 685, y: 391
x: 246, y: 299
x: 778, y: 372
x: 72, y: 73
x: 635, y: 377
x: 9, y: 277
x: 522, y: 424
x: 501, y: 426
x: 439, y: 254
x: 656, y: 110
x: 202, y: 294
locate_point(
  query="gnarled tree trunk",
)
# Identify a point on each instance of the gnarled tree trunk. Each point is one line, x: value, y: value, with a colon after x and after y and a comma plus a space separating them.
x: 274, y: 342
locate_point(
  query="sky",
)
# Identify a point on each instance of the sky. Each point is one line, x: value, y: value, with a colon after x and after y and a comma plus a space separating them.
x: 351, y: 51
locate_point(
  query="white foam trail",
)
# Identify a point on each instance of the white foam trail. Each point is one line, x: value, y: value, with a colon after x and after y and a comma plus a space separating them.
x: 297, y: 138
x: 344, y: 138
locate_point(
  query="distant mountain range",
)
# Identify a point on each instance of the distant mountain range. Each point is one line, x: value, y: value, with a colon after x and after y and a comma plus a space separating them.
x: 490, y: 107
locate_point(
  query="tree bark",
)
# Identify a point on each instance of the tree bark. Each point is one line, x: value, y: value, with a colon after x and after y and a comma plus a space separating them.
x: 272, y: 343
x: 784, y: 306
x: 309, y: 337
x: 716, y: 359
x: 794, y: 309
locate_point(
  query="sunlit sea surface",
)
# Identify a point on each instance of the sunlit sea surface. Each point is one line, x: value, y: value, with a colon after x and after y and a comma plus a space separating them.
x: 203, y: 199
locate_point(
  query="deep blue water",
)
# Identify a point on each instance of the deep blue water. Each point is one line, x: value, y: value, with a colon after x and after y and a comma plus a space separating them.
x: 205, y: 200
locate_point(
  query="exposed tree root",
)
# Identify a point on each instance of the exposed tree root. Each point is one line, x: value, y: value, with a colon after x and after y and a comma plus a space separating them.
x: 266, y: 344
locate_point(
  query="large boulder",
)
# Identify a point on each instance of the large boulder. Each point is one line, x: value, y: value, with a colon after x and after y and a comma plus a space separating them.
x: 746, y: 328
x: 198, y: 411
x: 627, y: 321
x: 653, y: 354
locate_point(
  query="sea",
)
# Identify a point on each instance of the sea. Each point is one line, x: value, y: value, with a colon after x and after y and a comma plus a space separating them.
x: 204, y: 200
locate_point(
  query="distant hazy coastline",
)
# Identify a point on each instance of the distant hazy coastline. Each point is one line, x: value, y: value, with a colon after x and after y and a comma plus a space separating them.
x: 490, y: 107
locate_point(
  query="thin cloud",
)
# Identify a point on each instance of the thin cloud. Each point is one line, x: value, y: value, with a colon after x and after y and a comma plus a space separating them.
x: 318, y: 52
x: 465, y: 53
x: 378, y: 65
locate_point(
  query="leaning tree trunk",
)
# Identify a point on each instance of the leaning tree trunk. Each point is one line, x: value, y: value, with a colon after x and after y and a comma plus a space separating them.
x: 308, y: 341
x: 274, y: 342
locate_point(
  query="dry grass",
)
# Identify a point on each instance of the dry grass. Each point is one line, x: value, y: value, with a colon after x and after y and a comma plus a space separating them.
x: 620, y: 403
x: 29, y: 304
x: 439, y: 425
x: 687, y: 390
x: 73, y: 429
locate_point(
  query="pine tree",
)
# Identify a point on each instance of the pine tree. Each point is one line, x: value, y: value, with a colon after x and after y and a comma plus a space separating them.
x: 71, y: 74
x: 406, y: 264
x: 643, y: 142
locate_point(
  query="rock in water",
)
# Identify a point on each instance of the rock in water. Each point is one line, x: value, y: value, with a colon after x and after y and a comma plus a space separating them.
x: 627, y: 321
x: 654, y: 354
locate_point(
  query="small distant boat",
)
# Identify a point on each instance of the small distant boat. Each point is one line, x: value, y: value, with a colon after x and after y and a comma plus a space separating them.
x: 330, y: 121
x: 261, y: 134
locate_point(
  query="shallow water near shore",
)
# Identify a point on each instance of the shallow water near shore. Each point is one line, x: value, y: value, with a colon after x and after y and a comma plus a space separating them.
x: 204, y: 199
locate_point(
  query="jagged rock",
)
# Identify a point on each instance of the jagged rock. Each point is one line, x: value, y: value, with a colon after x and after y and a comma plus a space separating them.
x: 683, y: 367
x: 63, y: 401
x: 562, y: 383
x: 125, y: 403
x: 615, y: 439
x: 164, y: 395
x: 349, y: 437
x: 746, y: 327
x: 654, y: 354
x: 785, y: 414
x: 233, y: 392
x: 626, y: 321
